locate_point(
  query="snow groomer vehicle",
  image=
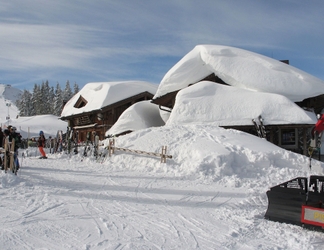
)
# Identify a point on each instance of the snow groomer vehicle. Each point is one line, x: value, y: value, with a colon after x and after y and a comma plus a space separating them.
x: 300, y: 201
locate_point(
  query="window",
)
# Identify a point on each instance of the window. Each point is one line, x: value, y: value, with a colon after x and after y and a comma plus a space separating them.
x: 288, y: 138
x: 81, y: 102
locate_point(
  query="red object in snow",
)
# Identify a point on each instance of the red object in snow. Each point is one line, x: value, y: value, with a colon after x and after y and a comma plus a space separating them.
x: 319, y: 126
x: 312, y: 216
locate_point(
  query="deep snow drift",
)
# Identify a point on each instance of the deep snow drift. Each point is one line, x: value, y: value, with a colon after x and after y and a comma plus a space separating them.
x: 210, y: 195
x: 226, y: 106
x: 139, y: 116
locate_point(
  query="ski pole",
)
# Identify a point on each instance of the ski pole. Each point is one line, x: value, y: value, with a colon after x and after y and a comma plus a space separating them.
x: 310, y: 152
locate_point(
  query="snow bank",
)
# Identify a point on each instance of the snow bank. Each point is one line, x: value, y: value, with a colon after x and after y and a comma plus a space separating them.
x: 140, y: 115
x: 228, y: 156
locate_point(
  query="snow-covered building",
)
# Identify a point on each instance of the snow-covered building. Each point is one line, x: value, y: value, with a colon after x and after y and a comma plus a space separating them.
x: 236, y: 86
x: 97, y: 106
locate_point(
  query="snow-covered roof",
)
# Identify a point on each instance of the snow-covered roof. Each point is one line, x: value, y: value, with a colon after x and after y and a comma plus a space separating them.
x: 101, y: 94
x: 140, y: 115
x: 243, y: 69
x: 229, y: 106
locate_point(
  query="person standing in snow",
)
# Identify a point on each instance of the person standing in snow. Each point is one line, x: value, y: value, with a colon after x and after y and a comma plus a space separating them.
x: 15, y: 136
x: 1, y: 138
x: 41, y: 143
x: 1, y: 145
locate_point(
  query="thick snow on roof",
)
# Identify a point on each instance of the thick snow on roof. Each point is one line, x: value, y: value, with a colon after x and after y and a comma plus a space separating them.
x: 102, y: 94
x: 225, y: 106
x: 243, y: 69
x: 140, y: 115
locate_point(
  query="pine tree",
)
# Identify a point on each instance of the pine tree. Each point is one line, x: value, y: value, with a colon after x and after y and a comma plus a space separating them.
x: 76, y: 88
x: 45, y: 96
x: 50, y: 102
x: 58, y: 100
x: 37, y: 100
x: 44, y: 99
x: 24, y: 105
x: 67, y: 92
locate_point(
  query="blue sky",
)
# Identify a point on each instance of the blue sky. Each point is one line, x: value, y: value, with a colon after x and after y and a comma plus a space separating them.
x: 107, y: 40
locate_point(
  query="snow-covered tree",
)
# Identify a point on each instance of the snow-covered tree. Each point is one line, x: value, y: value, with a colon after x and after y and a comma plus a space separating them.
x: 67, y: 94
x: 44, y: 99
x: 46, y: 107
x: 25, y: 104
x: 37, y: 100
x: 58, y: 100
x: 76, y: 88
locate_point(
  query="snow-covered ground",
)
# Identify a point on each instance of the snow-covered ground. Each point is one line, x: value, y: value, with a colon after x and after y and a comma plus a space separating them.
x: 210, y: 195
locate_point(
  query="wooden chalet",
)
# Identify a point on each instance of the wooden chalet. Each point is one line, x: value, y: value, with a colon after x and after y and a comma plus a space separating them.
x: 294, y: 137
x: 101, y: 115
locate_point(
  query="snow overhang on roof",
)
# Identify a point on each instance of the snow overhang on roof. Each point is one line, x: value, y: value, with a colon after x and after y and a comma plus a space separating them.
x: 97, y: 95
x: 242, y: 69
x: 207, y: 102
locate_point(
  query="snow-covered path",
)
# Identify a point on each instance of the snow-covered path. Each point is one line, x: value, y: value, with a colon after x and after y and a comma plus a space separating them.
x: 73, y: 204
x: 84, y: 207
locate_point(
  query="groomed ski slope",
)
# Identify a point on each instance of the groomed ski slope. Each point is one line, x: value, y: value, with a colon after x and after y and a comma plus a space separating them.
x: 210, y: 195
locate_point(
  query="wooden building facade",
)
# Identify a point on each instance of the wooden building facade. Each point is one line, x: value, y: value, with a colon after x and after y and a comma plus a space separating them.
x: 294, y: 137
x: 98, y: 121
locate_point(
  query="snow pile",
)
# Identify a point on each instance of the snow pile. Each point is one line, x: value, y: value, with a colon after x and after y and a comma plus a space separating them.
x: 242, y: 69
x: 226, y: 106
x: 206, y: 150
x: 139, y: 116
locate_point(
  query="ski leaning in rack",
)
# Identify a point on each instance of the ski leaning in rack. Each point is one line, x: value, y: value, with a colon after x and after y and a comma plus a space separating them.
x: 259, y: 126
x: 69, y: 142
x: 76, y: 142
x: 59, y: 139
x: 8, y: 159
x: 262, y: 127
x: 85, y: 152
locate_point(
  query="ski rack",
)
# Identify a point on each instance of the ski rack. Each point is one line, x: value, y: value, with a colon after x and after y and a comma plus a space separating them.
x: 8, y: 152
x: 163, y: 155
x: 260, y: 127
